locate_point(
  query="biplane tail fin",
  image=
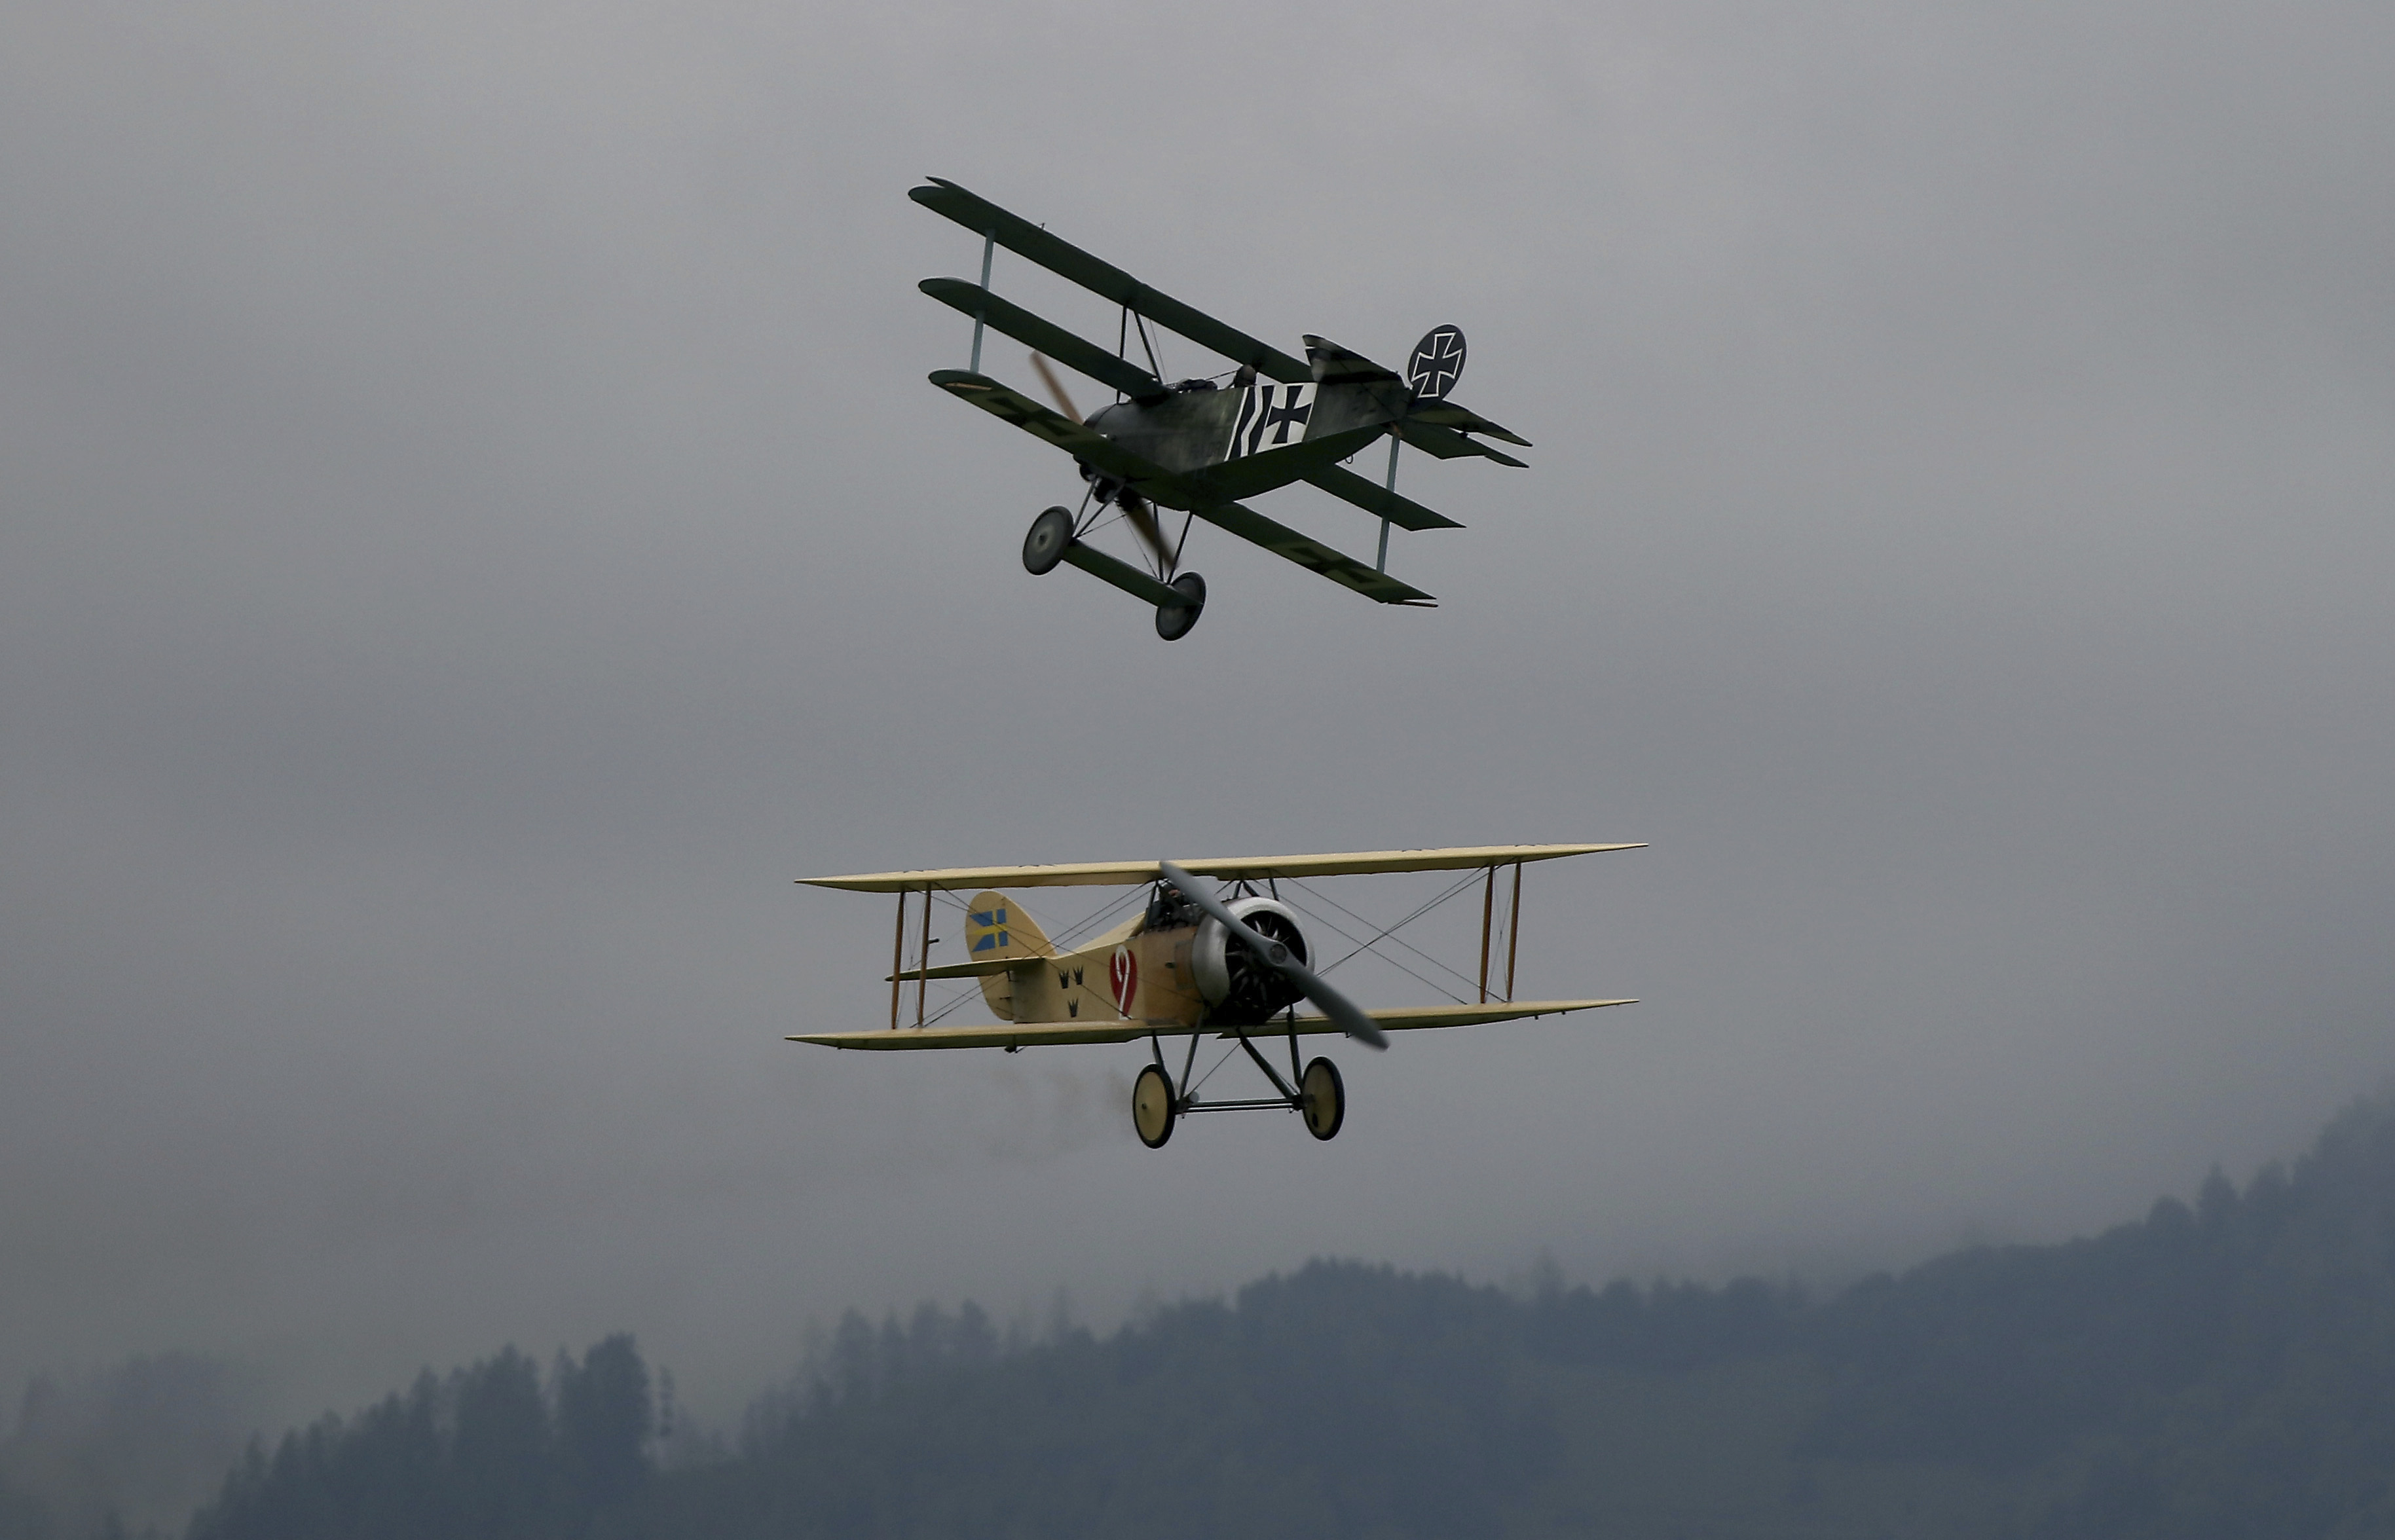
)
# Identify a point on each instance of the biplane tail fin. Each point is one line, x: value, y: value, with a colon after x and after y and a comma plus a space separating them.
x: 997, y: 930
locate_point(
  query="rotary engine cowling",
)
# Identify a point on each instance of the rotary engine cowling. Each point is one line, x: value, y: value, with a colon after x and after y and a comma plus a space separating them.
x: 1241, y: 990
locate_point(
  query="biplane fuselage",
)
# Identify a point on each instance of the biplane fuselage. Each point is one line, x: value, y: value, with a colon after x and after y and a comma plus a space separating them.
x: 1165, y: 968
x: 1131, y: 973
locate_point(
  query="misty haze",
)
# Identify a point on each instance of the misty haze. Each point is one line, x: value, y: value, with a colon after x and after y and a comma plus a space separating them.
x: 475, y: 528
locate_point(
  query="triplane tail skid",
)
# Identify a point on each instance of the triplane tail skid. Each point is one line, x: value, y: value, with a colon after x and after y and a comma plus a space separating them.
x: 1200, y: 446
x: 1195, y: 961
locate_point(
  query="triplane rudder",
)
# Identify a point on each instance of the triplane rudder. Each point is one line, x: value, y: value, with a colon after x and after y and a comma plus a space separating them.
x: 1212, y: 948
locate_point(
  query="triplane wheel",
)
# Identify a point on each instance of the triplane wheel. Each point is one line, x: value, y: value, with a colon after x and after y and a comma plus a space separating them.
x: 1152, y: 1111
x: 1044, y: 547
x: 1322, y: 1097
x: 1173, y: 621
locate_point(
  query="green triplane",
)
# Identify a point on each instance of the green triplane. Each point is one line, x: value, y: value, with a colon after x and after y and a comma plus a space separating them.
x: 1195, y: 446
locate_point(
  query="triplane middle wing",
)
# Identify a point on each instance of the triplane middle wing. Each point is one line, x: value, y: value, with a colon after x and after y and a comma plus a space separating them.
x: 1193, y: 961
x: 1200, y: 446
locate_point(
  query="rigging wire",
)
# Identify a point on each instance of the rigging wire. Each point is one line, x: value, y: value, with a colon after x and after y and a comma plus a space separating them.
x: 1314, y: 893
x: 1332, y: 927
x: 1463, y: 883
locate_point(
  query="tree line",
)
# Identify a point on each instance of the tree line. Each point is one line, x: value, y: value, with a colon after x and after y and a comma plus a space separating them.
x: 2224, y: 1368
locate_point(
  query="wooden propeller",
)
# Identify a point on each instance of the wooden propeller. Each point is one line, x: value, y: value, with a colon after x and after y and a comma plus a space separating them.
x: 1134, y: 507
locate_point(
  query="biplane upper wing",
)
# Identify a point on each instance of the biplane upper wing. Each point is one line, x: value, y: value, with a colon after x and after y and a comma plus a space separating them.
x: 1125, y: 873
x: 1025, y: 239
x: 1023, y: 1035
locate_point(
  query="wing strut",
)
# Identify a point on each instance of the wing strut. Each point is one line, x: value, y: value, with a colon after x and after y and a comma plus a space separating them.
x: 988, y: 250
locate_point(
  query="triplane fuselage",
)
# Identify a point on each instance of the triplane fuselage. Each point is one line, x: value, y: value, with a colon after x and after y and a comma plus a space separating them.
x: 1191, y: 963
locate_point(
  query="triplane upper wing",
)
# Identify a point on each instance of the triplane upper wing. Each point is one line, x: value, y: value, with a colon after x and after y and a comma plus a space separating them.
x: 1231, y: 964
x: 1193, y: 445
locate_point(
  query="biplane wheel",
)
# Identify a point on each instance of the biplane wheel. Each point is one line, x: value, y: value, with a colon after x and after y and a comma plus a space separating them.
x: 1174, y: 620
x: 1044, y: 547
x: 1322, y: 1097
x: 1152, y: 1111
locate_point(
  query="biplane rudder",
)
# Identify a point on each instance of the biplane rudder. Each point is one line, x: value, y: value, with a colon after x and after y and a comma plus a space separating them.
x: 997, y: 930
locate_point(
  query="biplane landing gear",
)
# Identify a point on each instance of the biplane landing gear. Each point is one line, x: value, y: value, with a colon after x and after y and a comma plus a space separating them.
x: 1173, y: 621
x: 1044, y: 547
x: 1322, y: 1097
x: 1152, y: 1109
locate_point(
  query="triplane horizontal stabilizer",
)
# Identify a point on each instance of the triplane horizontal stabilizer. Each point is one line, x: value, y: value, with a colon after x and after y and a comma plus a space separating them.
x: 1199, y: 446
x: 1192, y: 962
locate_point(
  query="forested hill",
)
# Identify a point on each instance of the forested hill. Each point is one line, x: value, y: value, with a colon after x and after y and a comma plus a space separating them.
x: 2223, y: 1370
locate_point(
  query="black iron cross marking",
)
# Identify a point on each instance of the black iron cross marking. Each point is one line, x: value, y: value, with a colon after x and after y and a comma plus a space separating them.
x: 1278, y: 418
x: 1437, y: 364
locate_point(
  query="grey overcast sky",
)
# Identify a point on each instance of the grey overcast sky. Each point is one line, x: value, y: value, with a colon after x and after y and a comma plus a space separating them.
x: 474, y: 528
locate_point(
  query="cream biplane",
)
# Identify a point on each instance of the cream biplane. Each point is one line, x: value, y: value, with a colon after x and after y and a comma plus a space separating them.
x: 1192, y: 962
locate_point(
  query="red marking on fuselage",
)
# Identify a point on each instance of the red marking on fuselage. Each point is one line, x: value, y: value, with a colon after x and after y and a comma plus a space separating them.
x: 1125, y: 970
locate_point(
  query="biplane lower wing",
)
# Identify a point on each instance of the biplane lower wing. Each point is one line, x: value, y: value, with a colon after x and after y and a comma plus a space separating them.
x: 1416, y: 1018
x: 1339, y: 568
x: 1017, y: 1034
x: 1025, y: 1034
x: 1038, y: 331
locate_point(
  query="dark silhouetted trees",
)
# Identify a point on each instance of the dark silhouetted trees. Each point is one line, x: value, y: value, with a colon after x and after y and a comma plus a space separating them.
x: 487, y: 1453
x: 2224, y: 1369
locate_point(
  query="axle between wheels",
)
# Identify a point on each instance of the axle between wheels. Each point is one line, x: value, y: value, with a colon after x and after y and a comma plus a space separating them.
x: 1320, y: 1099
x: 1178, y: 603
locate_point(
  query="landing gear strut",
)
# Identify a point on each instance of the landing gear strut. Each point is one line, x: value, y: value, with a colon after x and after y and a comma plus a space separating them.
x: 1320, y: 1097
x: 1049, y: 542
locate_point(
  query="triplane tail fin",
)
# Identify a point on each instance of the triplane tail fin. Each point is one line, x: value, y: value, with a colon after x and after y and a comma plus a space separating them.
x: 997, y: 930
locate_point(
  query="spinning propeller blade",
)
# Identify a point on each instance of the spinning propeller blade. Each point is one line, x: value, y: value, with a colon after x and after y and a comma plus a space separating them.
x: 1055, y: 388
x: 1342, y: 1011
x: 1134, y: 507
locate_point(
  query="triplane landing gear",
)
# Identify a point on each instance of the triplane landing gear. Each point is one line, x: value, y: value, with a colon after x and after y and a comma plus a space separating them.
x: 1053, y: 538
x: 1319, y: 1096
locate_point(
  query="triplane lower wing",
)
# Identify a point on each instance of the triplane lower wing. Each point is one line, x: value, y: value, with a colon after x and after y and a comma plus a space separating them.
x: 1200, y: 446
x: 1207, y: 955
